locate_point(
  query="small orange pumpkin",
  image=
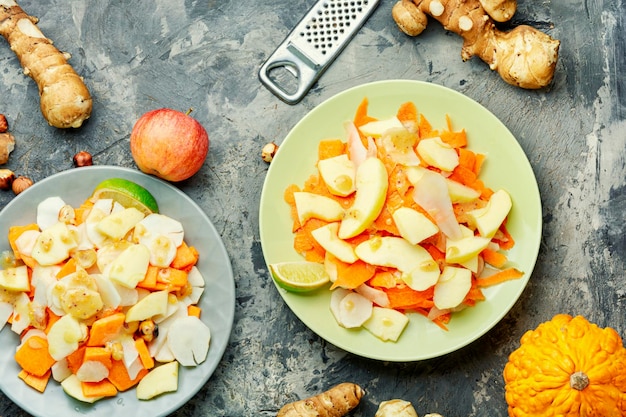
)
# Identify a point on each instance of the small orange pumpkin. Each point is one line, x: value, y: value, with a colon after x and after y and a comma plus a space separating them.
x: 567, y: 367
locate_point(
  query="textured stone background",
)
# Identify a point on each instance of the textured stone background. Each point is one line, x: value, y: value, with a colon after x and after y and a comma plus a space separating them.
x: 140, y: 55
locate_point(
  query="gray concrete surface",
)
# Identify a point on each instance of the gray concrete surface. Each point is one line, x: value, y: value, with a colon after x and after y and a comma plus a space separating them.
x: 140, y: 55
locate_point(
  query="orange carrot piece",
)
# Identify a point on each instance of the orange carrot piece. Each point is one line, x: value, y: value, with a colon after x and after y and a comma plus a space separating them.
x: 407, y: 112
x: 330, y: 148
x: 105, y: 329
x: 467, y: 158
x: 494, y: 258
x: 69, y: 267
x: 361, y: 117
x: 104, y: 388
x: 425, y: 129
x: 76, y: 359
x: 455, y: 139
x: 172, y: 277
x: 99, y: 354
x: 37, y: 382
x: 194, y: 310
x: 383, y: 279
x: 118, y: 375
x: 81, y: 212
x: 406, y: 298
x: 350, y: 276
x: 52, y: 318
x: 33, y: 356
x: 149, y: 281
x: 15, y: 232
x: 499, y: 277
x: 144, y: 354
x: 504, y: 238
x: 478, y: 163
x: 185, y: 257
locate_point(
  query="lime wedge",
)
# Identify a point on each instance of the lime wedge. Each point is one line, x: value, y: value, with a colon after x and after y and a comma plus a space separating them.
x: 299, y: 276
x: 126, y: 193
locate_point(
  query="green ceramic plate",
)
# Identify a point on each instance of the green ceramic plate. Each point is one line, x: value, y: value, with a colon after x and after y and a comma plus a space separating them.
x: 506, y: 167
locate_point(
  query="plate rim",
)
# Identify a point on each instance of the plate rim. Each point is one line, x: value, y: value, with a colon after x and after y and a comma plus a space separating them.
x: 409, y: 84
x: 166, y: 404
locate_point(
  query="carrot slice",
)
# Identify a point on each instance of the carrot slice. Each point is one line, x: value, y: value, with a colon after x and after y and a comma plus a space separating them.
x: 499, y: 277
x: 118, y: 375
x: 76, y: 359
x: 350, y: 276
x: 99, y: 354
x: 186, y: 256
x: 15, y: 232
x: 37, y: 382
x: 104, y: 388
x: 406, y: 298
x: 33, y: 356
x: 383, y: 279
x: 330, y: 148
x: 407, y: 112
x: 361, y: 117
x: 194, y: 310
x: 105, y: 329
x: 144, y: 354
x: 69, y: 267
x: 494, y: 258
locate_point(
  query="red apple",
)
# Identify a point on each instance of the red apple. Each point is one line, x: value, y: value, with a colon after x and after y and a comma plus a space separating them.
x: 169, y: 144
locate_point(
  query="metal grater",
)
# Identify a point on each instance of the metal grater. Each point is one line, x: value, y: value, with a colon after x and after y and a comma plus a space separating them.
x: 314, y: 43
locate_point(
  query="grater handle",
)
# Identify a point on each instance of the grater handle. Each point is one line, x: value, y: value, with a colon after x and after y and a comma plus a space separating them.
x: 305, y: 72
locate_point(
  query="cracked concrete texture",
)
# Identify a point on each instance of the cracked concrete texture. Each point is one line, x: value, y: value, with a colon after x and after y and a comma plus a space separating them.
x: 204, y: 55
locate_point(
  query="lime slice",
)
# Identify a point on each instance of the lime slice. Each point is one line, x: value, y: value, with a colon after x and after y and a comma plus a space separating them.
x: 127, y: 193
x: 299, y: 276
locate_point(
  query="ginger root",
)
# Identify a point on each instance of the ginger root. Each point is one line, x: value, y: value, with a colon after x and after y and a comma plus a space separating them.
x: 65, y: 100
x: 336, y: 402
x: 524, y: 56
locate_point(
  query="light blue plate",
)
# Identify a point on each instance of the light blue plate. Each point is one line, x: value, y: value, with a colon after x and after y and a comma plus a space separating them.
x: 217, y: 302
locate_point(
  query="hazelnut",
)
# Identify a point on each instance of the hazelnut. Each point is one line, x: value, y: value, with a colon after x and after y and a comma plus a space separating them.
x: 4, y: 125
x: 82, y: 159
x: 7, y: 144
x: 20, y: 184
x: 6, y: 179
x: 269, y: 151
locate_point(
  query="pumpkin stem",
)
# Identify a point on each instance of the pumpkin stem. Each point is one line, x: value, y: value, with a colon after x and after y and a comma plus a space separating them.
x: 578, y: 380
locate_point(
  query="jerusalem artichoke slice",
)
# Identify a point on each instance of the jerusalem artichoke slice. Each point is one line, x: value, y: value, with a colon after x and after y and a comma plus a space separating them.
x: 65, y: 101
x: 336, y: 402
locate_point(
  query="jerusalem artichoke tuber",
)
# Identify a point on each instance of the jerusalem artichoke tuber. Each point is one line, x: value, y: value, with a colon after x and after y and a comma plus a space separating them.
x: 395, y: 408
x: 65, y: 100
x: 524, y: 56
x: 336, y: 402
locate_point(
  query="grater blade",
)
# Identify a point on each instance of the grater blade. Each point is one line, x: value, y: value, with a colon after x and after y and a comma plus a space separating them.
x: 314, y: 43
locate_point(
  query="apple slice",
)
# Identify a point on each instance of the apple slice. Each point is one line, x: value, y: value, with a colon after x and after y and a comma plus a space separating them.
x: 151, y: 305
x: 338, y: 174
x: 377, y: 128
x: 130, y: 267
x: 162, y: 379
x: 310, y: 205
x: 15, y: 279
x: 64, y: 336
x: 413, y: 225
x: 419, y: 269
x: 386, y: 323
x: 188, y: 339
x: 54, y: 244
x: 453, y: 286
x: 327, y: 237
x: 371, y: 191
x: 489, y: 218
x: 118, y: 223
x: 73, y: 387
x: 460, y: 193
x: 464, y: 249
x: 437, y: 153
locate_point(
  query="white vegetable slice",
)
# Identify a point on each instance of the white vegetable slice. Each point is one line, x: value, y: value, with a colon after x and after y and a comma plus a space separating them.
x: 48, y: 212
x: 189, y: 339
x: 6, y: 309
x: 335, y: 300
x: 92, y: 371
x: 354, y: 310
